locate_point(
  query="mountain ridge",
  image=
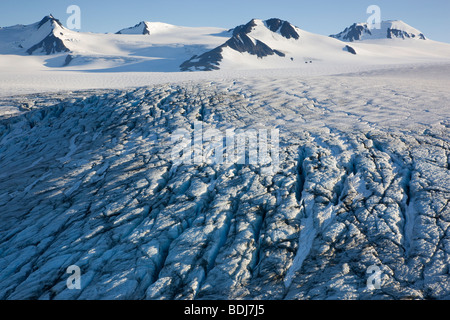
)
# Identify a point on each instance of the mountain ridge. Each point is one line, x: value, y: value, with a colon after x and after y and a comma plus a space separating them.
x: 147, y: 28
x: 390, y: 29
x: 258, y: 44
x: 258, y: 38
x: 136, y: 29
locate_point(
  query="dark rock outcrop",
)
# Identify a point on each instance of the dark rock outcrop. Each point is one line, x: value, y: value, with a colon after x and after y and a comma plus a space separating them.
x: 283, y: 27
x: 350, y: 49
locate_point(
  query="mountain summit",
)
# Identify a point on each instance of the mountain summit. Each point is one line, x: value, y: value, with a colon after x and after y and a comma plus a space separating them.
x: 52, y: 42
x: 257, y: 44
x: 147, y: 28
x: 43, y: 37
x: 141, y: 28
x: 392, y: 29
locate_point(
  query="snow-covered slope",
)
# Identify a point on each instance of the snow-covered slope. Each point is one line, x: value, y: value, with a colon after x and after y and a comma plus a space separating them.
x: 392, y: 29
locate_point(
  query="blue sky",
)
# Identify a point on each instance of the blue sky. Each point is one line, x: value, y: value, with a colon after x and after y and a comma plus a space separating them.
x: 323, y: 17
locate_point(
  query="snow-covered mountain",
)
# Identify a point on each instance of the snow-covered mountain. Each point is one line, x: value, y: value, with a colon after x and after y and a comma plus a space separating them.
x: 266, y: 44
x: 140, y: 28
x: 43, y: 37
x: 148, y: 28
x: 89, y: 179
x: 392, y: 29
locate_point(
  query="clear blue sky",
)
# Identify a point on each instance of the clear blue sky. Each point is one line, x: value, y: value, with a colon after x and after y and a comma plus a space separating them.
x: 324, y: 17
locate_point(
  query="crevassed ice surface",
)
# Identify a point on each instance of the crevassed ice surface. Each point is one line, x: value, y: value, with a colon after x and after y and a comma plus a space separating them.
x: 88, y: 179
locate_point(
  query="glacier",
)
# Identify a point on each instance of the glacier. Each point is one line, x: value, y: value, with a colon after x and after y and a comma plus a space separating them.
x: 87, y: 179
